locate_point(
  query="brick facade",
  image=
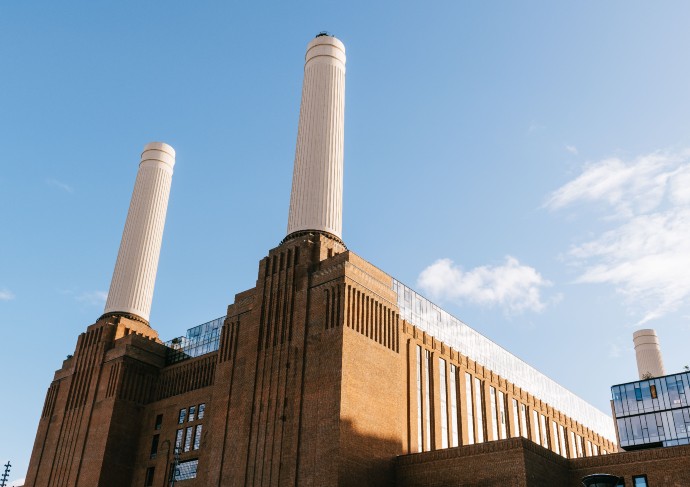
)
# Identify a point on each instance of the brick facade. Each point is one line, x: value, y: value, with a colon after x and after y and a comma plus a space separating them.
x: 313, y: 383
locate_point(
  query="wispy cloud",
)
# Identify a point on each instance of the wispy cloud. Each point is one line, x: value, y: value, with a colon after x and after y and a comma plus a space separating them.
x: 512, y: 286
x: 535, y: 127
x: 59, y: 184
x: 17, y: 483
x: 645, y: 252
x: 93, y: 298
x: 6, y: 295
x: 572, y: 149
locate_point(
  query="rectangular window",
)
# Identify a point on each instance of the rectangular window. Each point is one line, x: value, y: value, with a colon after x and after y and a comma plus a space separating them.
x: 192, y: 413
x: 652, y: 390
x: 494, y: 414
x: 154, y: 446
x: 148, y: 482
x: 535, y: 424
x: 561, y: 431
x: 427, y: 399
x: 186, y: 470
x: 639, y: 481
x: 182, y: 416
x: 478, y: 404
x: 188, y: 439
x: 516, y: 419
x: 444, y: 403
x: 159, y: 422
x: 554, y: 438
x: 419, y: 398
x: 453, y: 406
x: 197, y: 437
x: 202, y: 408
x: 502, y: 414
x: 589, y: 448
x: 523, y: 421
x: 470, y: 415
x: 544, y: 433
x: 579, y: 446
x: 178, y: 438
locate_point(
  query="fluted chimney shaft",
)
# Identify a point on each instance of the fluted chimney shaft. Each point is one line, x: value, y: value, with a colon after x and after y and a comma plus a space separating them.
x: 131, y: 289
x: 316, y: 202
x: 648, y: 354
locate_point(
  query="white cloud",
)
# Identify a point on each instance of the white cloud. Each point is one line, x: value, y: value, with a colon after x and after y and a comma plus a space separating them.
x: 572, y: 149
x: 645, y: 252
x: 59, y: 184
x: 17, y: 483
x: 94, y: 298
x: 512, y: 286
x: 6, y: 295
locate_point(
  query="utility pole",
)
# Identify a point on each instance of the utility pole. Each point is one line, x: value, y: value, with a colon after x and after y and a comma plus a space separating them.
x: 3, y: 479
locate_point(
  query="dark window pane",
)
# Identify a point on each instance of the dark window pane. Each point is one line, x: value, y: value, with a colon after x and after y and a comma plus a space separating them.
x: 159, y: 422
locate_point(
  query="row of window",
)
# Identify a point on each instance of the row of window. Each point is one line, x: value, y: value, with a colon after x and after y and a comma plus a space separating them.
x: 651, y: 395
x: 190, y: 437
x: 194, y: 413
x: 543, y: 432
x: 666, y: 427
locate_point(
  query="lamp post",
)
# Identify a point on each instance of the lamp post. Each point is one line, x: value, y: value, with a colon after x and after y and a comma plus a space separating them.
x: 176, y: 462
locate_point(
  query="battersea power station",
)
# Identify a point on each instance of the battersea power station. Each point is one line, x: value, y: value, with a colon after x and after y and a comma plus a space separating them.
x: 326, y: 372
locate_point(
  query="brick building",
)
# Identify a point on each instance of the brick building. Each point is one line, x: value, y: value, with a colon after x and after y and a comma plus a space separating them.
x: 327, y: 372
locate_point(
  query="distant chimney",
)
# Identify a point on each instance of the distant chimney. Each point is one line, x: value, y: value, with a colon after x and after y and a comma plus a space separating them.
x: 131, y: 289
x: 648, y: 353
x: 316, y: 202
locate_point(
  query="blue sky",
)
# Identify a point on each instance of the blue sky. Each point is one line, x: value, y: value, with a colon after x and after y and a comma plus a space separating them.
x: 523, y: 164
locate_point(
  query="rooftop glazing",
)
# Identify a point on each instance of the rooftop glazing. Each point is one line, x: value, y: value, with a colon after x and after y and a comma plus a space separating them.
x: 199, y: 340
x: 440, y: 324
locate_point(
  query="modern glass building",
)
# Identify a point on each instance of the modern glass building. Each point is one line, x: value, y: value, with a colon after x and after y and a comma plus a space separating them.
x: 653, y: 413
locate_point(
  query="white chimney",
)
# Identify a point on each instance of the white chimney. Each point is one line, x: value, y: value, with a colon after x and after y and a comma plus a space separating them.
x: 648, y: 353
x: 316, y: 202
x: 131, y: 289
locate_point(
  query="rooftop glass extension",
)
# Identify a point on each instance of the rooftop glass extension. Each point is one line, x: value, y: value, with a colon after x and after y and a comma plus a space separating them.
x: 440, y: 324
x: 653, y: 412
x: 197, y: 341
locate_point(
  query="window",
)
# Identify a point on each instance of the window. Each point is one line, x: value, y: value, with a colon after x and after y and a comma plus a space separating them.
x: 154, y: 445
x: 182, y: 417
x: 478, y: 403
x: 535, y: 425
x: 453, y: 406
x: 516, y: 421
x: 197, y: 437
x: 640, y: 481
x: 523, y: 421
x: 554, y: 438
x: 652, y: 390
x: 444, y: 403
x: 419, y: 398
x: 192, y: 413
x: 185, y: 470
x: 200, y: 415
x: 544, y: 433
x: 427, y: 399
x: 148, y: 482
x: 178, y: 438
x: 494, y: 415
x: 188, y: 439
x: 470, y: 414
x: 502, y: 413
x: 561, y: 430
x: 159, y: 422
